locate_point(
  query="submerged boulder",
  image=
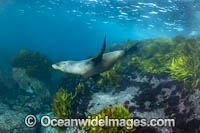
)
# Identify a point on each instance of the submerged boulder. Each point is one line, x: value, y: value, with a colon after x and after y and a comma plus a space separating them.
x: 9, y: 89
x: 37, y: 92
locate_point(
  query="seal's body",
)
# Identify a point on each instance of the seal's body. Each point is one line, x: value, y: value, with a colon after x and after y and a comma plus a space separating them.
x: 92, y: 66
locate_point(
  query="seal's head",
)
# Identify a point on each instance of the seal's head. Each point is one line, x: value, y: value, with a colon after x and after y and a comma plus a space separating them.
x: 60, y: 65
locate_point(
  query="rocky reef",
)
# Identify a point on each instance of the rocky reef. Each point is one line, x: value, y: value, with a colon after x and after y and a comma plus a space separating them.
x: 159, y: 80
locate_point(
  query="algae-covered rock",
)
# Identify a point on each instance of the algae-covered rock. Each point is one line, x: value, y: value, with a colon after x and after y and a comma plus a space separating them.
x: 69, y: 82
x: 195, y: 101
x: 38, y: 91
x: 178, y: 57
x: 36, y: 64
x: 9, y: 89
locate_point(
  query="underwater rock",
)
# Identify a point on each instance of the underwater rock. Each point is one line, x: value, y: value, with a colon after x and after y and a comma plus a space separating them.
x: 6, y: 82
x: 173, y: 101
x: 195, y: 104
x: 101, y: 99
x: 151, y: 98
x: 9, y: 89
x: 68, y: 130
x: 154, y: 114
x: 13, y: 121
x: 153, y: 91
x: 146, y: 130
x: 184, y: 126
x: 29, y: 84
x: 158, y: 113
x: 3, y: 88
x: 54, y: 130
x: 3, y: 107
x: 37, y: 91
x: 131, y: 109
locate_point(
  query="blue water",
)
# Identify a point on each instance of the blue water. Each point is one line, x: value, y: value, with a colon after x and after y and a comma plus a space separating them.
x: 74, y: 29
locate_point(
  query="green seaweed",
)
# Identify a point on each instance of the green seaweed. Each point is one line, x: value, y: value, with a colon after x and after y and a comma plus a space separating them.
x: 109, y: 79
x: 179, y: 58
x: 119, y: 112
x: 185, y: 65
x: 62, y: 105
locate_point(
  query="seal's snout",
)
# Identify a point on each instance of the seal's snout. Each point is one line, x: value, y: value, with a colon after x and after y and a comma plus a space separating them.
x: 55, y: 66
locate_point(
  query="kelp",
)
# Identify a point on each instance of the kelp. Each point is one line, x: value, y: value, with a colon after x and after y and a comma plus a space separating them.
x: 179, y: 58
x: 185, y: 69
x: 185, y: 65
x: 62, y: 105
x: 109, y: 79
x: 119, y: 112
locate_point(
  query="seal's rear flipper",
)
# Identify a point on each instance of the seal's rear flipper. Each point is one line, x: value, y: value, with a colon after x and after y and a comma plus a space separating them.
x: 98, y: 59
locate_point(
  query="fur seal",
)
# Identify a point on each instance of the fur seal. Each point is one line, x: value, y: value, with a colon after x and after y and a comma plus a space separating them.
x: 92, y: 66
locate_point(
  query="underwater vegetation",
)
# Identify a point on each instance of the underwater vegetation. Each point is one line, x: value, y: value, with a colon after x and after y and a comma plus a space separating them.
x: 69, y: 81
x: 72, y: 83
x: 36, y: 64
x: 185, y: 66
x: 118, y: 112
x: 109, y: 79
x: 178, y: 57
x: 62, y: 104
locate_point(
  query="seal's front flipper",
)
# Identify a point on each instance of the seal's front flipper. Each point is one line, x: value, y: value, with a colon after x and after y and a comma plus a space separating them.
x: 100, y: 55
